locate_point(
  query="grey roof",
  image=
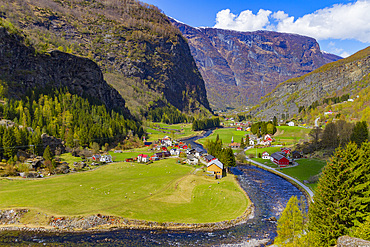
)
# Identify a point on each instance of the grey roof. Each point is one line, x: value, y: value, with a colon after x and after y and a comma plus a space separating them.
x: 209, y: 157
x: 216, y: 162
x: 277, y: 156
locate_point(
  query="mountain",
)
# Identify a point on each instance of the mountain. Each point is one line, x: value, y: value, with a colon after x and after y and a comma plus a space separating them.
x: 139, y: 51
x: 240, y: 67
x: 346, y: 76
x: 23, y: 70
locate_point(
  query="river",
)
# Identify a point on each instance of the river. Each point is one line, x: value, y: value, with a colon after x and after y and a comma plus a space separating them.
x: 269, y: 193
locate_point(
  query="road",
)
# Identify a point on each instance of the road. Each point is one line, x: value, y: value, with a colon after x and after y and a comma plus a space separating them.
x: 309, y: 191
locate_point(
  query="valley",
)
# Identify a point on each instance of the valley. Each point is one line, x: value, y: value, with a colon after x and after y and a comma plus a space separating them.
x: 120, y: 125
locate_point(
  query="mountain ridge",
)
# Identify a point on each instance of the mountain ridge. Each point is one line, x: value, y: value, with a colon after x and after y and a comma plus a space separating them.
x: 331, y: 79
x: 139, y: 51
x: 240, y: 67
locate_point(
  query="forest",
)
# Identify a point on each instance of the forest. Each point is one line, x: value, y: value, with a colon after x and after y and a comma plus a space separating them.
x: 63, y: 115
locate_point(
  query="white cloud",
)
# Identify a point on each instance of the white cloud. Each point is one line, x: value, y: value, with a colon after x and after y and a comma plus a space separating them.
x: 246, y: 20
x: 341, y: 21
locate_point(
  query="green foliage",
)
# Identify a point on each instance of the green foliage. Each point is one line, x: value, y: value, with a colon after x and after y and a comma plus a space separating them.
x: 341, y: 200
x: 47, y: 154
x: 167, y: 114
x: 225, y: 155
x: 62, y: 115
x: 205, y: 124
x: 263, y: 128
x: 360, y: 133
x: 291, y: 224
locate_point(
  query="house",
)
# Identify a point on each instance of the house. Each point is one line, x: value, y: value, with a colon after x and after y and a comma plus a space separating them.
x: 129, y: 160
x: 268, y: 138
x: 328, y: 112
x: 239, y: 128
x: 163, y: 148
x: 143, y: 158
x: 265, y: 143
x: 147, y: 144
x: 265, y: 155
x: 96, y: 157
x: 216, y: 167
x: 166, y: 141
x: 106, y: 158
x: 279, y: 159
x: 234, y: 145
x: 198, y: 152
x: 286, y: 151
x: 296, y: 155
x: 166, y: 154
x: 209, y: 157
x: 191, y: 160
x: 291, y: 123
x: 251, y: 142
x: 175, y: 151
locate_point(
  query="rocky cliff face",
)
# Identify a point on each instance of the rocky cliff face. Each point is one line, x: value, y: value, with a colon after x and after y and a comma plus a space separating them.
x: 22, y: 69
x: 139, y: 51
x: 321, y: 83
x: 240, y: 67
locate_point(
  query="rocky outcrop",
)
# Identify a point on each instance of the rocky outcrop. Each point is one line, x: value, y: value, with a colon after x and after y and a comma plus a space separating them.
x: 346, y: 241
x: 23, y: 69
x: 321, y: 83
x: 240, y: 67
x: 56, y: 145
x: 140, y: 53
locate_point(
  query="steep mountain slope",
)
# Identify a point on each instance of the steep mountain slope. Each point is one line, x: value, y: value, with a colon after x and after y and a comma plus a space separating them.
x: 22, y: 70
x: 141, y: 54
x: 240, y: 67
x: 346, y: 76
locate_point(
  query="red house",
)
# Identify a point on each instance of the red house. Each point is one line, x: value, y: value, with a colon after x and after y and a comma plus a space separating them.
x: 164, y: 148
x: 239, y: 128
x: 279, y: 159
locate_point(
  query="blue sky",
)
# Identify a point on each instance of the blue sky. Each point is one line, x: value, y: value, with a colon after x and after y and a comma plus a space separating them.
x: 340, y: 27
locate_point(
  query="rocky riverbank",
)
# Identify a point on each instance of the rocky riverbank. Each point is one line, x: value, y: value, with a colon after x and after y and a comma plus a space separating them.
x: 18, y: 219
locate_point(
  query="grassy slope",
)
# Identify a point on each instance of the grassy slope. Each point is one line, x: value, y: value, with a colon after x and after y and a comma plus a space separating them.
x: 306, y: 169
x: 156, y: 133
x: 177, y: 195
x: 225, y: 135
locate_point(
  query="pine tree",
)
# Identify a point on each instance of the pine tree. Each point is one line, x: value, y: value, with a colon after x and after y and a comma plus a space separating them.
x: 331, y: 213
x: 290, y: 225
x: 360, y: 133
x: 47, y: 154
x: 242, y: 143
x: 9, y: 143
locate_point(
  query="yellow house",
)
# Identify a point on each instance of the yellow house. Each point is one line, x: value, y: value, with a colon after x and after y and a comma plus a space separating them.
x: 217, y: 167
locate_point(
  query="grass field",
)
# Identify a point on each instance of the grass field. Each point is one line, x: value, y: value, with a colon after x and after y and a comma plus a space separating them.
x: 67, y: 157
x: 291, y: 134
x: 162, y: 192
x: 184, y: 130
x: 117, y: 157
x: 270, y: 150
x: 306, y: 169
x: 225, y: 135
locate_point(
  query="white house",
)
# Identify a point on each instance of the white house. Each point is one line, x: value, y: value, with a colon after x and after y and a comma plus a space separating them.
x: 291, y: 123
x: 265, y: 156
x: 143, y: 158
x: 106, y: 158
x: 175, y: 151
x: 251, y: 142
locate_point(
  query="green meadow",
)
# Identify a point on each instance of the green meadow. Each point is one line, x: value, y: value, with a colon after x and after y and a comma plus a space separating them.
x: 305, y: 169
x: 226, y: 134
x: 162, y: 191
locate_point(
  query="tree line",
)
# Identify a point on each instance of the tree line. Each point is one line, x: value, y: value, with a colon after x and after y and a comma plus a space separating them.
x: 204, y: 124
x: 167, y: 114
x: 225, y: 155
x: 339, y: 133
x: 65, y: 116
x: 263, y: 128
x: 341, y: 205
